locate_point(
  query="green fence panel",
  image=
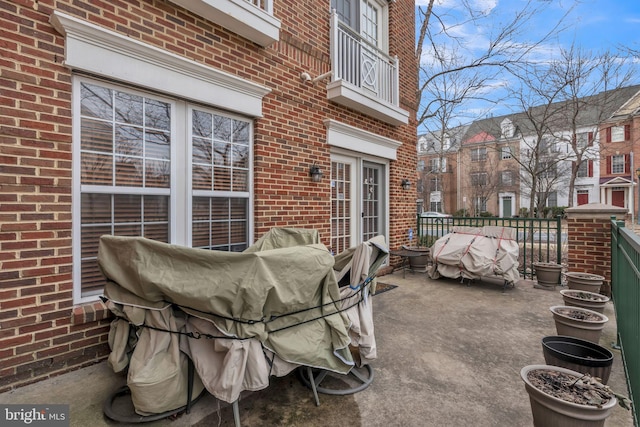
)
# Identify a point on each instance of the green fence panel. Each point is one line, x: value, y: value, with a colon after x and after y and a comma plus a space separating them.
x: 625, y: 291
x: 540, y: 239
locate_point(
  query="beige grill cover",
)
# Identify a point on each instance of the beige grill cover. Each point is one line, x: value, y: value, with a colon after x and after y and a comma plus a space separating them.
x: 473, y: 253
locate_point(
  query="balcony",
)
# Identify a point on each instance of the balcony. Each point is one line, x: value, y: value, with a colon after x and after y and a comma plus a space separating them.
x: 364, y: 78
x: 252, y: 19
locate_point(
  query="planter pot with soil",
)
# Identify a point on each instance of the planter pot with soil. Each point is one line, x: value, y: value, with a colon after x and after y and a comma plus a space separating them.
x: 578, y: 322
x: 585, y: 299
x: 547, y: 274
x: 578, y: 355
x: 584, y: 281
x: 562, y: 397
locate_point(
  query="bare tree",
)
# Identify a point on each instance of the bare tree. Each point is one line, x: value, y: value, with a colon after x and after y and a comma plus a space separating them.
x: 449, y: 74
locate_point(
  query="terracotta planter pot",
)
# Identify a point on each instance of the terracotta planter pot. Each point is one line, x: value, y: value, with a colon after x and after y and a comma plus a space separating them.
x: 585, y: 299
x: 584, y: 281
x: 578, y: 355
x: 576, y: 326
x: 547, y: 274
x: 550, y: 411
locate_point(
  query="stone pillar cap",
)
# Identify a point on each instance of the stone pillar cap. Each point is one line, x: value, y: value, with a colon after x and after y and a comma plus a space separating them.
x: 596, y: 210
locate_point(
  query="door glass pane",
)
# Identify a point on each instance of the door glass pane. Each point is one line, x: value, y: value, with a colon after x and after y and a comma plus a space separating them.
x: 371, y: 192
x: 340, y: 206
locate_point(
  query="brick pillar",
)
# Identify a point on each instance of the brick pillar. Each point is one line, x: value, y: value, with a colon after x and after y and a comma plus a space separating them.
x: 589, y: 237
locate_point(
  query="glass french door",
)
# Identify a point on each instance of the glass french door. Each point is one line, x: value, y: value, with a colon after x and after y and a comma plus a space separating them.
x: 358, y: 201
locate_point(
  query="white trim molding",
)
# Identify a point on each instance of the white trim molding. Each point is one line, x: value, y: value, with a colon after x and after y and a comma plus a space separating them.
x: 362, y: 141
x: 103, y: 52
x: 240, y: 16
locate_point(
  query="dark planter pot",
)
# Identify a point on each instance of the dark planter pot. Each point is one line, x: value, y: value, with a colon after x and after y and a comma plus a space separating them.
x: 578, y: 355
x: 584, y: 281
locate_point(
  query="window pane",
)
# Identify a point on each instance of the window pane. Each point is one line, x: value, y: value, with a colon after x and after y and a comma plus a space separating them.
x: 128, y: 171
x: 96, y: 101
x: 129, y: 108
x: 156, y: 145
x: 127, y: 208
x: 202, y: 124
x: 90, y: 238
x: 129, y: 140
x: 241, y: 132
x: 96, y: 136
x: 157, y: 173
x: 156, y: 209
x: 202, y: 177
x: 157, y: 114
x: 96, y: 209
x: 222, y: 128
x: 96, y: 169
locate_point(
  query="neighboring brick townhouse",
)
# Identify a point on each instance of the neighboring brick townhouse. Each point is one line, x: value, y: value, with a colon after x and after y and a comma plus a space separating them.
x: 195, y: 122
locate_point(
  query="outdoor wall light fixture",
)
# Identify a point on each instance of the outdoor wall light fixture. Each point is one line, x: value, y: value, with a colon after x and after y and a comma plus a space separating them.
x: 315, y: 173
x: 406, y: 184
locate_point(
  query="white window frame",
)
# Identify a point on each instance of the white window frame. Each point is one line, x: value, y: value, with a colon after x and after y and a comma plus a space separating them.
x: 505, y: 152
x: 618, y: 164
x: 93, y: 49
x: 617, y: 133
x: 180, y: 191
x: 478, y: 154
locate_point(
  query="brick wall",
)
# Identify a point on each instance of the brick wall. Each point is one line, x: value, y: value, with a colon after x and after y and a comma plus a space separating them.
x: 41, y: 332
x: 589, y: 237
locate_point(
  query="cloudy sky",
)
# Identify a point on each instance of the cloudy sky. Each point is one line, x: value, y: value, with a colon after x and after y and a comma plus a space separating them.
x: 596, y: 25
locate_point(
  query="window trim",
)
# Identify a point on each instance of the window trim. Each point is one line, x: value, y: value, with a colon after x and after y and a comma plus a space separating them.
x: 102, y: 52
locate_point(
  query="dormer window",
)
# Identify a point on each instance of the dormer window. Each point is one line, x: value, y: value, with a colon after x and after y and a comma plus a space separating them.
x: 507, y: 129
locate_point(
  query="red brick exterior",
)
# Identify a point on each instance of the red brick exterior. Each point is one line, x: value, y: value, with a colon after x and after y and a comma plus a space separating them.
x: 42, y: 333
x: 589, y: 236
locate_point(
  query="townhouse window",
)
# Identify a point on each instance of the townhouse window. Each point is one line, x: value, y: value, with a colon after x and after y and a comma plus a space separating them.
x: 585, y: 169
x: 434, y: 184
x: 548, y: 145
x: 548, y: 170
x: 506, y: 178
x: 437, y: 165
x: 480, y: 204
x: 156, y: 167
x: 505, y: 152
x: 584, y: 140
x: 478, y: 154
x: 478, y: 179
x: 618, y: 133
x: 420, y: 166
x: 618, y: 164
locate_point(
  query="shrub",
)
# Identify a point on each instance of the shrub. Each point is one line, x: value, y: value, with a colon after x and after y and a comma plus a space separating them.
x: 461, y: 213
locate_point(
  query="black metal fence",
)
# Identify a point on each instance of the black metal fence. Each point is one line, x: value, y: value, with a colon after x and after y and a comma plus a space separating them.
x: 540, y: 239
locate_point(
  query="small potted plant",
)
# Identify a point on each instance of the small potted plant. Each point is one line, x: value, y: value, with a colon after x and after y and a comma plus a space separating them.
x: 562, y: 397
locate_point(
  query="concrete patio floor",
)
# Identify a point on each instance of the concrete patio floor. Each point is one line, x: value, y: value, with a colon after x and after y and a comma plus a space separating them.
x: 449, y: 354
